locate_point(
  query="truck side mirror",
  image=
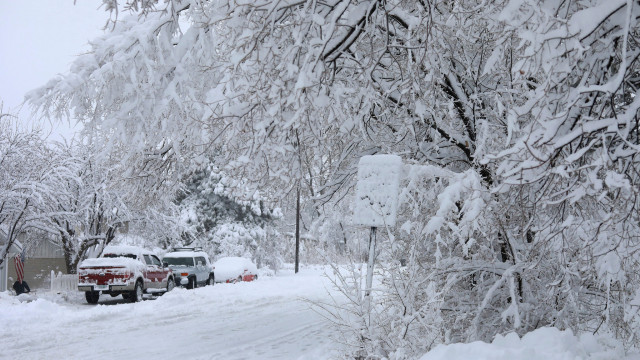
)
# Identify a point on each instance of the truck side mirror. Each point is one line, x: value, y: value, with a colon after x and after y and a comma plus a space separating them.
x: 164, y: 264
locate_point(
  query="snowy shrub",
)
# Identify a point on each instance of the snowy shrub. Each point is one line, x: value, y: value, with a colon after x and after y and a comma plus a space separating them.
x: 270, y: 251
x: 236, y: 240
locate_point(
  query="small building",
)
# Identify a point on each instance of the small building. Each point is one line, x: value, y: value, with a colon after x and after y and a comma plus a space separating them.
x: 41, y: 259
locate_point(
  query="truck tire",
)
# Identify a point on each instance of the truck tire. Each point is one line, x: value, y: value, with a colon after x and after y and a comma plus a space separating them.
x: 212, y: 280
x: 170, y: 285
x: 136, y: 294
x: 92, y: 296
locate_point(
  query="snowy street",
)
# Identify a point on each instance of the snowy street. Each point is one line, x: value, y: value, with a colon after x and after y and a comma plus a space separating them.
x: 265, y: 319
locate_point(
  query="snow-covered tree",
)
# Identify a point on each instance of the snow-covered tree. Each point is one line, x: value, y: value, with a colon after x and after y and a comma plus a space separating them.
x: 98, y: 202
x: 30, y: 173
x: 575, y: 162
x: 517, y: 119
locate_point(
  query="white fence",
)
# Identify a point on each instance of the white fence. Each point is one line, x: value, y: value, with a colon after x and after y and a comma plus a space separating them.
x: 62, y: 282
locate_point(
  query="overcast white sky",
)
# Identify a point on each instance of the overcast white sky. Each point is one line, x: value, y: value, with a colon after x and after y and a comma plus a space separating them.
x: 39, y: 39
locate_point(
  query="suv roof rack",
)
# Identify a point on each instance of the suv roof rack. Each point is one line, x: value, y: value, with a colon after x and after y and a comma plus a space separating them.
x: 187, y: 249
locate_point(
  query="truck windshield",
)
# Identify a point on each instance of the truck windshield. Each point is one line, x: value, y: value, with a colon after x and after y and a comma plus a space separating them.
x: 179, y: 261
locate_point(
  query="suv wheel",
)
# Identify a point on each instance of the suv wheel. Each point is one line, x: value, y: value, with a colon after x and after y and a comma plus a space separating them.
x: 192, y: 283
x: 136, y: 295
x: 211, y: 281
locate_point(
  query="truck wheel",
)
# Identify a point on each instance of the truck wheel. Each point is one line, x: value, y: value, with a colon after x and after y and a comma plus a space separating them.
x: 192, y: 283
x: 170, y: 284
x: 212, y: 280
x: 136, y: 294
x: 92, y: 296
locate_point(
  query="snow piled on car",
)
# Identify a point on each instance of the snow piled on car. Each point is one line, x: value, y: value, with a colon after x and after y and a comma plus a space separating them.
x: 229, y: 268
x: 183, y: 254
x: 117, y: 261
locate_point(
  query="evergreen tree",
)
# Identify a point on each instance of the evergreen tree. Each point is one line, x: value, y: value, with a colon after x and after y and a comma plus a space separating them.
x: 224, y: 224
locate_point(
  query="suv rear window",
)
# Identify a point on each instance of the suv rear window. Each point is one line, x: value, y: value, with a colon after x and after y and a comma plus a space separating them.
x: 179, y: 261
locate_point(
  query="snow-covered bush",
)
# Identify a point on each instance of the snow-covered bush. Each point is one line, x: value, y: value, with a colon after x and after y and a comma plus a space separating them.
x: 236, y: 240
x: 271, y: 250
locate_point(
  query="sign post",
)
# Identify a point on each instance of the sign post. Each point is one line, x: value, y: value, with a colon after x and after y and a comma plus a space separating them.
x: 370, y: 262
x: 376, y: 202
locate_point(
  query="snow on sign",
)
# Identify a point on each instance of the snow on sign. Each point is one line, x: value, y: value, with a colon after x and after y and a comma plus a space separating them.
x: 377, y: 190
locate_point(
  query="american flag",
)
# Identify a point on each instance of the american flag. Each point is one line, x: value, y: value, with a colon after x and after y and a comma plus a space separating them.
x: 19, y: 261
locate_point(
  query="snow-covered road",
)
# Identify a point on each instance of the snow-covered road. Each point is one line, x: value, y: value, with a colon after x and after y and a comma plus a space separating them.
x: 266, y: 319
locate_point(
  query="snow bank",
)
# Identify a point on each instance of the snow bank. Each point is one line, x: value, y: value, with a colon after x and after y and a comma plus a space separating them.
x: 545, y: 343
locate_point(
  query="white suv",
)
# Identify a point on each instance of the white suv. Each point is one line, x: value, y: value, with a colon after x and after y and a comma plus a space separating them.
x: 191, y: 267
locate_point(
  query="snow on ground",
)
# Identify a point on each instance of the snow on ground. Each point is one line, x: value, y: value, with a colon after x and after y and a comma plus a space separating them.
x: 541, y: 344
x: 265, y: 319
